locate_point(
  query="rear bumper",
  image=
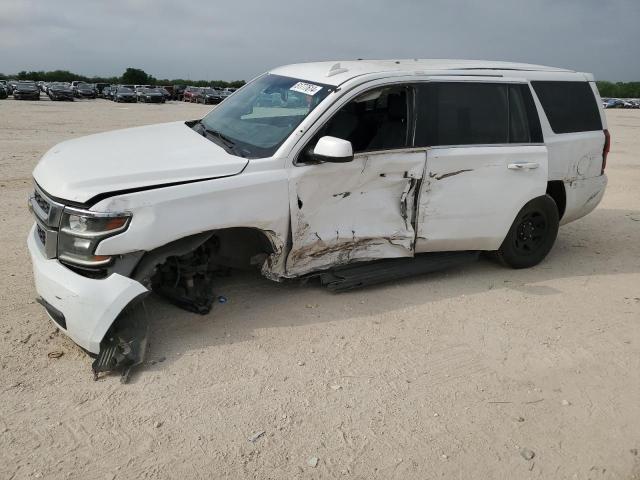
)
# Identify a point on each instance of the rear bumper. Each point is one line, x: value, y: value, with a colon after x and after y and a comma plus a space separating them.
x: 88, y: 307
x: 583, y: 196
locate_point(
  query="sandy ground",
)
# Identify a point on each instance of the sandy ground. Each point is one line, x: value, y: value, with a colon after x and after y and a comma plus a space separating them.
x: 448, y: 375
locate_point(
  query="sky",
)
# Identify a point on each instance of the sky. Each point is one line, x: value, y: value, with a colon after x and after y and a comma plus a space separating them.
x: 208, y: 39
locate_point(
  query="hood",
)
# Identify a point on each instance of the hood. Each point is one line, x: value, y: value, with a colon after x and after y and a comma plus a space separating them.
x: 80, y: 169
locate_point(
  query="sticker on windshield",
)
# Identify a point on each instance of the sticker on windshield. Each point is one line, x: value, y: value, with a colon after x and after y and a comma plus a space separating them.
x: 306, y: 88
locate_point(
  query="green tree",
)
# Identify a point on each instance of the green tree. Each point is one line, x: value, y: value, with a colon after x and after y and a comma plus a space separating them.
x: 135, y: 76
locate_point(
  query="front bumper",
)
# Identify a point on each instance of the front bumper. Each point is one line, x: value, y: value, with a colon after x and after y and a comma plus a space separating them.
x: 26, y: 95
x: 88, y: 306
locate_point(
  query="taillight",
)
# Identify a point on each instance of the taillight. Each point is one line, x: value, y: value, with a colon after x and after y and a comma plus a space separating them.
x: 605, y: 150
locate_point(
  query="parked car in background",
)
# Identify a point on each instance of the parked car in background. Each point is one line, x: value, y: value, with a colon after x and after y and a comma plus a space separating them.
x: 26, y: 91
x: 60, y: 91
x: 208, y: 96
x: 104, y: 93
x: 151, y: 95
x: 100, y: 87
x: 167, y: 91
x: 11, y: 84
x: 190, y: 93
x: 84, y: 90
x: 138, y: 91
x: 615, y: 103
x: 3, y: 91
x: 124, y: 94
x: 178, y: 92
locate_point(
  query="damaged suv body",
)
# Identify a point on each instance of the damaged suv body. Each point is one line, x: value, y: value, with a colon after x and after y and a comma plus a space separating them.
x: 342, y: 170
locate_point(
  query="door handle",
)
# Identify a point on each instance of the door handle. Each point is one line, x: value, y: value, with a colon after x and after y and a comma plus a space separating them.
x: 523, y: 166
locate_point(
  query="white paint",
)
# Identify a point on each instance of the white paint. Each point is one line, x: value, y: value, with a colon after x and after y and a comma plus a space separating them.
x: 82, y: 168
x: 470, y: 196
x: 332, y: 147
x: 89, y: 306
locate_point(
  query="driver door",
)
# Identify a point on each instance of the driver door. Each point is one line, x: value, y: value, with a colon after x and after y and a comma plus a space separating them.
x: 363, y: 209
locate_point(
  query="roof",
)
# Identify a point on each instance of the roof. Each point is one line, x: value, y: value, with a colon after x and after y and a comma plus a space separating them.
x: 337, y: 72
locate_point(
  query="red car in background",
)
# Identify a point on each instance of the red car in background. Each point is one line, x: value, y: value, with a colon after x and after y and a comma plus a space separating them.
x: 190, y: 94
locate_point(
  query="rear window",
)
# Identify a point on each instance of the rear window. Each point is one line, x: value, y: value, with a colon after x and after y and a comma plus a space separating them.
x: 468, y: 113
x: 569, y: 106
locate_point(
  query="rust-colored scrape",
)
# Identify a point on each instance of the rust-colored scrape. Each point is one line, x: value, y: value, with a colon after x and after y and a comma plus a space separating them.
x: 344, y: 248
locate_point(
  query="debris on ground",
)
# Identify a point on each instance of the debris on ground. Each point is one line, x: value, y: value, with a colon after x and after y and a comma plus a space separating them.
x: 158, y: 424
x: 27, y: 338
x: 527, y: 454
x: 222, y: 299
x: 566, y: 403
x: 634, y: 451
x: 256, y: 436
x: 520, y: 419
x: 55, y: 354
x: 301, y: 363
x: 312, y: 462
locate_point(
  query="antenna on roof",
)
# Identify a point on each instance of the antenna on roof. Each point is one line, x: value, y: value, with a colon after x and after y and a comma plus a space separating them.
x: 336, y: 69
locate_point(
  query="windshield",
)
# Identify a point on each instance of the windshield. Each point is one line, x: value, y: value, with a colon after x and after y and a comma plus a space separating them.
x: 124, y: 90
x: 260, y: 116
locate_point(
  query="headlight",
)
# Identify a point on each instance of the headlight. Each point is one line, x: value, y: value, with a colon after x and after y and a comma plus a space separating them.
x: 81, y: 232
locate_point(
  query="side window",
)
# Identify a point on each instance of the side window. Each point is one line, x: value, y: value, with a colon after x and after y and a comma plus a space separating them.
x: 469, y: 113
x: 524, y: 124
x: 569, y: 106
x: 375, y: 120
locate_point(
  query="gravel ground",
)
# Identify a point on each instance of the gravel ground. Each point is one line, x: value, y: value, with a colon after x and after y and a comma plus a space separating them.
x: 477, y: 372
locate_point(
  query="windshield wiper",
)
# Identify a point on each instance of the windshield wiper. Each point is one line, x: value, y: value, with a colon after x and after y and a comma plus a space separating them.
x: 230, y: 143
x: 226, y: 142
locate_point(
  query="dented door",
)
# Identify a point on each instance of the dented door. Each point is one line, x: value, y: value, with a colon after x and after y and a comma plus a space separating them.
x: 471, y: 195
x: 361, y: 210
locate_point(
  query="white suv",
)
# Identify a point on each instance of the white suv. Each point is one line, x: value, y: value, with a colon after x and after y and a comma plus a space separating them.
x: 356, y: 172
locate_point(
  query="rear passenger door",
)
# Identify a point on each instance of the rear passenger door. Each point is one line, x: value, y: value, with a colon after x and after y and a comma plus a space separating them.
x: 485, y: 161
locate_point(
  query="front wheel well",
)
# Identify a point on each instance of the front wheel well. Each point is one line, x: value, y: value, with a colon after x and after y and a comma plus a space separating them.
x: 236, y: 247
x: 556, y: 190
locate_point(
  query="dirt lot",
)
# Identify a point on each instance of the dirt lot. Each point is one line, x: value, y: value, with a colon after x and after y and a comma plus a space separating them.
x: 448, y: 375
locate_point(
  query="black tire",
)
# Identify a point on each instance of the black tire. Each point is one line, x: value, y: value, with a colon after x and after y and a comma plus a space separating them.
x: 531, y: 235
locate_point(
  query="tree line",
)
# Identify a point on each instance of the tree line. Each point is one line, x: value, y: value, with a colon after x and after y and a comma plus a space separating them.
x: 132, y: 76
x: 619, y: 89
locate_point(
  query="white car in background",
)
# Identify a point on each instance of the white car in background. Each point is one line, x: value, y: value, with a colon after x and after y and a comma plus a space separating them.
x: 355, y: 172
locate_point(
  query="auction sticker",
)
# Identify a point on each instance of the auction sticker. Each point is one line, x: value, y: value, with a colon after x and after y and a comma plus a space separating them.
x: 306, y: 88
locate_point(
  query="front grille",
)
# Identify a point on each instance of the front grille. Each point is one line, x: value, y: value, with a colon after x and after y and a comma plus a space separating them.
x: 41, y: 234
x: 48, y: 213
x: 42, y: 203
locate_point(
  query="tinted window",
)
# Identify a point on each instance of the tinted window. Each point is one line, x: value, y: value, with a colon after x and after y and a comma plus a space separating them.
x: 569, y: 106
x: 524, y: 124
x: 468, y: 113
x: 375, y: 120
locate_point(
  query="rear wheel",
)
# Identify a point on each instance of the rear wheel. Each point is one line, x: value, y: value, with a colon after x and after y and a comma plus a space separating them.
x: 531, y: 235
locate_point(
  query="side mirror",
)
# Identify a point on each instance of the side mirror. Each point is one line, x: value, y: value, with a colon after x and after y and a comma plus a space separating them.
x: 332, y: 149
